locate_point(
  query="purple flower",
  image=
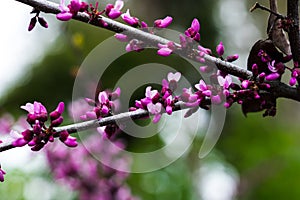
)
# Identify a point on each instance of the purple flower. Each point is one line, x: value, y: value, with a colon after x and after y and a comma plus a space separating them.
x: 216, y: 99
x: 114, y: 11
x: 293, y: 81
x: 121, y: 37
x: 264, y: 56
x: 155, y: 109
x: 80, y: 170
x: 204, y: 50
x: 225, y: 82
x: 206, y: 69
x: 36, y: 111
x: 295, y: 74
x: 134, y: 45
x: 71, y: 141
x: 58, y: 111
x: 232, y: 58
x: 163, y: 23
x: 2, y: 173
x: 203, y: 88
x: 193, y: 31
x: 174, y: 77
x: 35, y: 108
x: 245, y: 84
x: 220, y: 49
x: 153, y: 95
x: 165, y: 49
x: 6, y: 122
x: 67, y: 12
x: 132, y: 21
x: 273, y: 76
x: 144, y: 24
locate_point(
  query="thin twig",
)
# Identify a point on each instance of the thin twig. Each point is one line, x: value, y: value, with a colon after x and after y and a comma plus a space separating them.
x: 258, y: 6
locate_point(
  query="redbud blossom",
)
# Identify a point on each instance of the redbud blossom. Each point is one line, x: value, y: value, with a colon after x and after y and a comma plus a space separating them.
x: 293, y: 81
x: 121, y: 37
x: 67, y: 12
x: 155, y: 109
x: 163, y: 23
x: 193, y: 31
x: 203, y: 88
x: 114, y: 11
x: 132, y: 21
x: 166, y: 49
x: 272, y: 77
x: 164, y: 52
x: 232, y: 58
x: 225, y: 82
x: 220, y: 49
x: 216, y: 99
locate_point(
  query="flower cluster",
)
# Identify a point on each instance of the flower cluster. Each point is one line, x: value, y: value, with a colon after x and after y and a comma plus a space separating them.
x: 93, y: 180
x: 160, y: 102
x: 186, y: 42
x: 67, y: 12
x: 39, y: 134
x: 104, y: 106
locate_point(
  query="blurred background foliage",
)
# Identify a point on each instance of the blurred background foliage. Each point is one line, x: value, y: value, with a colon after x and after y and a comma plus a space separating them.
x: 261, y: 155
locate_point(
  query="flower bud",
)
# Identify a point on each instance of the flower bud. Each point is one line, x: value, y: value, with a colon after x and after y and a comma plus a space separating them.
x: 43, y: 22
x: 32, y: 23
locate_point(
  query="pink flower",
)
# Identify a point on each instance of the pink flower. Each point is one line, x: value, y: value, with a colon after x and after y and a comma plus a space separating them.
x: 134, y: 45
x: 232, y: 58
x: 155, y: 109
x: 203, y: 88
x: 132, y: 21
x: 176, y: 76
x: 163, y: 23
x: 121, y: 37
x: 225, y: 82
x: 216, y: 99
x: 220, y: 49
x: 273, y: 76
x: 151, y: 94
x: 36, y: 111
x: 164, y: 52
x: 67, y: 12
x: 166, y: 49
x: 204, y: 50
x: 2, y: 173
x: 293, y: 81
x: 114, y: 11
x: 193, y: 31
x: 71, y: 141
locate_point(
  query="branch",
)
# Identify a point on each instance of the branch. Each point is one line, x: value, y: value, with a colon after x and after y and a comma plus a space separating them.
x: 115, y: 119
x: 293, y: 13
x: 50, y: 7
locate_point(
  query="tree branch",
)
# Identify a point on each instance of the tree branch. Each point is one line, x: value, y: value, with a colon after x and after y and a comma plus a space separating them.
x: 115, y: 119
x: 293, y: 13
